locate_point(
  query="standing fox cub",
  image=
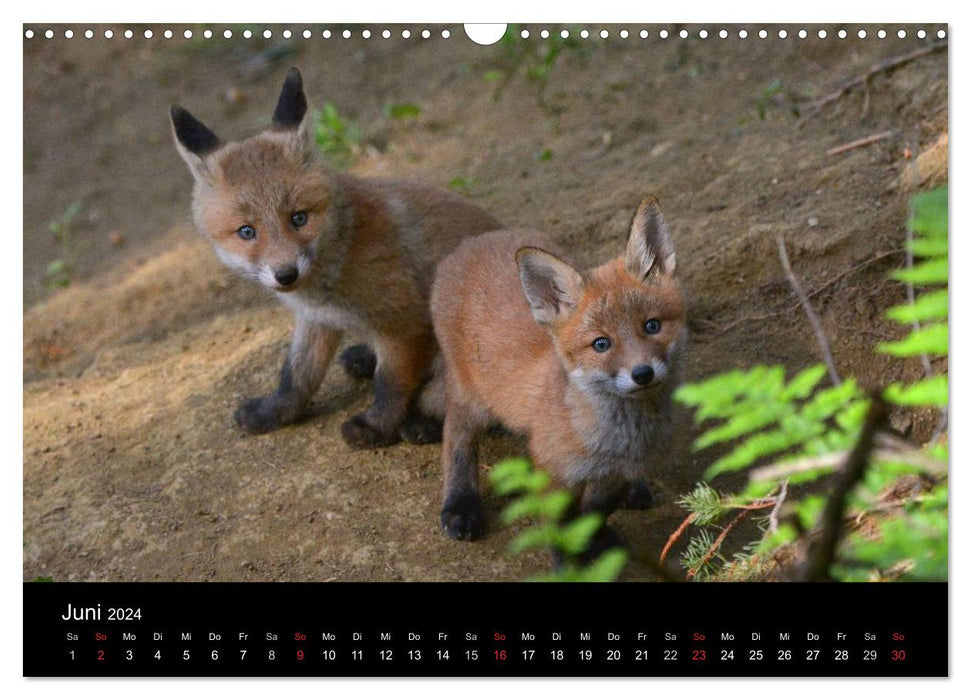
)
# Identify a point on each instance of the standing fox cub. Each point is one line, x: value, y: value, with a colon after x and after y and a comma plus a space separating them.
x: 584, y: 364
x: 343, y: 253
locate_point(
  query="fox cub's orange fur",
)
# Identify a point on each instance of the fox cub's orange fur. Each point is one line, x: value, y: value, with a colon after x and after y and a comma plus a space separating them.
x: 584, y: 364
x: 343, y: 253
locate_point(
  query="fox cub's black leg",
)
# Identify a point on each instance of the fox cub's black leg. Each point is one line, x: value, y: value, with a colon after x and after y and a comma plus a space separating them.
x: 310, y: 354
x: 397, y: 379
x: 638, y: 496
x: 359, y: 361
x: 603, y: 499
x: 462, y: 517
x: 379, y: 425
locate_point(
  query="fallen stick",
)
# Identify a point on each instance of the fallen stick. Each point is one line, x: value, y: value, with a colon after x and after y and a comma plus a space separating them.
x: 859, y: 143
x: 886, y: 65
x: 810, y: 314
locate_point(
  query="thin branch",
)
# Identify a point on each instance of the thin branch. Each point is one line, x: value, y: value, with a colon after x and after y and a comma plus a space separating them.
x: 771, y: 472
x: 810, y: 313
x: 893, y: 448
x: 865, y: 263
x: 721, y: 330
x: 822, y: 552
x: 887, y: 505
x: 745, y: 508
x: 760, y: 504
x: 884, y: 453
x: 859, y: 143
x: 780, y: 499
x: 717, y: 543
x: 866, y: 100
x: 675, y: 536
x: 887, y: 65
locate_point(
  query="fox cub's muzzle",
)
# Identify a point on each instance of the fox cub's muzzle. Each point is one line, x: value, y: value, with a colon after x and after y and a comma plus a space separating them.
x: 642, y: 375
x: 286, y: 276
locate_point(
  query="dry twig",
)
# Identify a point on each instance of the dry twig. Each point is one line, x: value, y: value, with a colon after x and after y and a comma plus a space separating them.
x: 810, y: 313
x: 882, y: 66
x: 675, y: 536
x: 859, y: 143
x: 779, y: 500
x: 745, y: 508
x: 888, y: 449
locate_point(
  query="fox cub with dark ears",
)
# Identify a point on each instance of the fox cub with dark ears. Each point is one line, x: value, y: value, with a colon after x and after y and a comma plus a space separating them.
x: 343, y: 253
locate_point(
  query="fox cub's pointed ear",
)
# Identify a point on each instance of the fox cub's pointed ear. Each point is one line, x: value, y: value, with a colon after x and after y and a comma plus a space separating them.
x: 291, y: 114
x: 292, y: 105
x: 553, y: 288
x: 193, y: 139
x: 649, y: 247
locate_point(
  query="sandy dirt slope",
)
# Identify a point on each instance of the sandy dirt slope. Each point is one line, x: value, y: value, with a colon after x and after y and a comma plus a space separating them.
x: 133, y: 467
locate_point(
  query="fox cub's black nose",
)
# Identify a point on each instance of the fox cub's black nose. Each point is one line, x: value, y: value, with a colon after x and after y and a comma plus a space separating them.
x: 286, y: 275
x: 642, y: 375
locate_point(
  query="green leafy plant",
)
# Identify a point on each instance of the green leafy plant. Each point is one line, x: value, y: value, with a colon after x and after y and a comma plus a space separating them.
x: 929, y: 242
x: 402, y: 111
x: 336, y: 136
x: 534, y: 58
x: 549, y: 526
x: 58, y: 271
x: 462, y: 185
x: 802, y: 446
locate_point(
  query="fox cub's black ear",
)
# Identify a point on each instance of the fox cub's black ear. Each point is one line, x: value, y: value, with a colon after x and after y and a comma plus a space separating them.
x: 292, y: 105
x: 650, y: 250
x: 192, y: 134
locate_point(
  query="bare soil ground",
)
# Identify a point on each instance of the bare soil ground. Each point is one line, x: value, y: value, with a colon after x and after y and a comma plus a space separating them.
x: 133, y: 466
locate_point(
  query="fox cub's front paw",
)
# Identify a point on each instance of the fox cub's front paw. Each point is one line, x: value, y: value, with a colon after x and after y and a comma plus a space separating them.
x: 462, y: 517
x: 257, y: 416
x: 419, y: 429
x: 360, y: 434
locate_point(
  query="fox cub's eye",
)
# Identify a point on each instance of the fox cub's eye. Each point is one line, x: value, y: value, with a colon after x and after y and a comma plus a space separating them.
x: 247, y: 233
x: 601, y: 344
x: 652, y: 326
x: 299, y: 218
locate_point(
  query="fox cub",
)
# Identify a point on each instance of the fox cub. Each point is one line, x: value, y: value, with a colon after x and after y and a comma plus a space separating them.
x: 341, y: 252
x: 584, y: 364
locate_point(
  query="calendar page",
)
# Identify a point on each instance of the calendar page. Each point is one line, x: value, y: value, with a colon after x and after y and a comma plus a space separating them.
x: 485, y: 350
